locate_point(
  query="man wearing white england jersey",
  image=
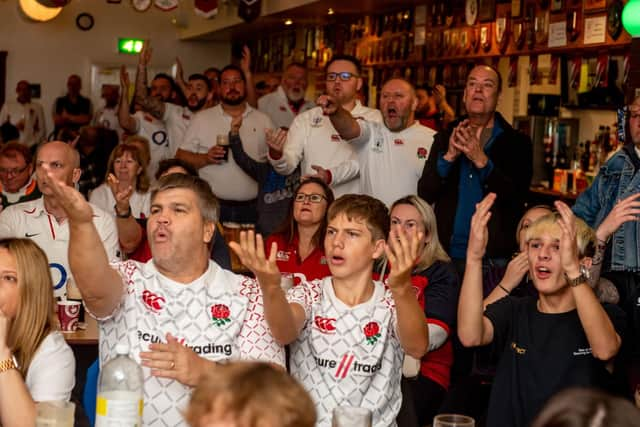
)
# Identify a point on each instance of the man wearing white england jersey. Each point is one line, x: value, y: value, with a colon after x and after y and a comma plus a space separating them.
x: 180, y: 312
x: 176, y: 118
x: 236, y: 190
x: 391, y: 155
x: 45, y: 222
x: 283, y: 105
x: 348, y: 334
x: 144, y: 124
x: 314, y: 143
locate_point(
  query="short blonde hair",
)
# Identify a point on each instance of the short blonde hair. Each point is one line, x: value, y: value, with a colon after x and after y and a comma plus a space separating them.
x: 254, y: 394
x: 585, y: 236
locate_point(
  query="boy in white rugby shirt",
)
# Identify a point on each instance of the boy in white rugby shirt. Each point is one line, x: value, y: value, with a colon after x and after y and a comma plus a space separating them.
x: 348, y: 334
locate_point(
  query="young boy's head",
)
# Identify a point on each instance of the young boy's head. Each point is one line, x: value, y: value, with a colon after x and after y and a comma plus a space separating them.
x: 357, y: 229
x: 249, y: 394
x: 543, y: 246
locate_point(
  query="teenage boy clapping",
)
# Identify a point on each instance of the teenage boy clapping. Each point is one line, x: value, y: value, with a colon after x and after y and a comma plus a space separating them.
x: 348, y: 333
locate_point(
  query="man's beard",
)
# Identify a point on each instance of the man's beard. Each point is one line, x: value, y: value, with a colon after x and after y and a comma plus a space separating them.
x: 294, y: 96
x: 234, y: 101
x: 201, y: 103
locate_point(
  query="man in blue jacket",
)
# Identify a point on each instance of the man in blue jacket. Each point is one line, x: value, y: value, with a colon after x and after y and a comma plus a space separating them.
x: 612, y: 205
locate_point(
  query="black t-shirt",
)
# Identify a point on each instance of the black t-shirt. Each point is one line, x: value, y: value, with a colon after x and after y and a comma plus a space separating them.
x: 81, y: 106
x: 540, y: 354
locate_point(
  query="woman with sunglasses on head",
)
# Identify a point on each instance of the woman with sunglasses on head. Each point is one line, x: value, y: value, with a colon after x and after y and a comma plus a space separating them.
x: 36, y: 364
x: 436, y: 284
x: 300, y: 237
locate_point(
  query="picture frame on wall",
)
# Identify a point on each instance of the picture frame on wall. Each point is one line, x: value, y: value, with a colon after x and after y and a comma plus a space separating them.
x: 594, y: 5
x: 557, y: 5
x: 487, y: 10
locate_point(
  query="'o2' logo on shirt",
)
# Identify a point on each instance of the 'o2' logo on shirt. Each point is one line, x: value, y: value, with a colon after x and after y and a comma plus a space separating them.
x: 159, y: 137
x: 63, y: 275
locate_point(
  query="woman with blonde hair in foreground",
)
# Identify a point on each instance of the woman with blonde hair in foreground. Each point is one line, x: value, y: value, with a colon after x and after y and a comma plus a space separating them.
x: 36, y: 364
x: 250, y: 394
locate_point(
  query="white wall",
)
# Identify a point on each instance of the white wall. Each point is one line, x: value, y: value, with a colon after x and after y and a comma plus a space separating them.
x: 47, y: 53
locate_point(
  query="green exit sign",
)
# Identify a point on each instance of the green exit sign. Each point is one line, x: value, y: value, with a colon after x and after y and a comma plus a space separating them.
x: 130, y: 46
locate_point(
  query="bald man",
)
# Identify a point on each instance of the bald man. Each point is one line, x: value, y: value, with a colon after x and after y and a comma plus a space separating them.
x: 392, y: 154
x: 45, y: 222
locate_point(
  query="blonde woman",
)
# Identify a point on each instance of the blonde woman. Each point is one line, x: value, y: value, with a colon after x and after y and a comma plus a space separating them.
x: 436, y: 283
x: 36, y: 364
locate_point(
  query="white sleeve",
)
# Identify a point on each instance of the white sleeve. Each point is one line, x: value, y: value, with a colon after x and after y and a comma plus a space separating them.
x: 437, y: 336
x: 293, y: 148
x: 365, y: 133
x: 100, y: 198
x: 345, y: 171
x: 108, y: 232
x: 52, y: 372
x: 8, y: 222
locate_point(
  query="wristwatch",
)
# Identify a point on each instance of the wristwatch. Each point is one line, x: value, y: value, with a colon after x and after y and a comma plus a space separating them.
x: 582, y: 278
x: 7, y: 364
x: 125, y: 215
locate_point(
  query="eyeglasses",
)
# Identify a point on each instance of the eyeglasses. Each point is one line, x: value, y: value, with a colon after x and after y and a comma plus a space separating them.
x: 344, y: 76
x: 13, y: 171
x: 231, y: 82
x: 313, y: 198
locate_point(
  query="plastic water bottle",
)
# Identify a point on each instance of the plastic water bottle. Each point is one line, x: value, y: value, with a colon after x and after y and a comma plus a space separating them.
x: 120, y: 391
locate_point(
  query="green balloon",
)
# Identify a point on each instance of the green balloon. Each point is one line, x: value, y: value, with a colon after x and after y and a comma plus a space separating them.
x: 631, y: 18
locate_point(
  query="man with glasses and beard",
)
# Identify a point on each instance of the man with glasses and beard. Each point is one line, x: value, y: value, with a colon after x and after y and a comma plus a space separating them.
x: 315, y: 144
x: 235, y: 189
x: 287, y: 101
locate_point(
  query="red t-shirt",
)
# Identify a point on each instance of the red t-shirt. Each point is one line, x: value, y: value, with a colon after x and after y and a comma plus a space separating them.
x: 312, y: 267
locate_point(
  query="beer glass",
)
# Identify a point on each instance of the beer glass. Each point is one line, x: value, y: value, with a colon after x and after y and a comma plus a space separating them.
x: 453, y: 420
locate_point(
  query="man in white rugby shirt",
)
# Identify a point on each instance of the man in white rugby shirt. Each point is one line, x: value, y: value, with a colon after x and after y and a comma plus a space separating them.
x: 45, y: 222
x: 392, y: 154
x: 287, y: 102
x: 180, y: 312
x: 314, y: 143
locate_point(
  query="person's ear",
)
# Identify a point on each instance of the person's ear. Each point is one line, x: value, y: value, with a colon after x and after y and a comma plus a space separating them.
x: 75, y: 177
x: 358, y: 84
x: 379, y: 248
x: 209, y: 231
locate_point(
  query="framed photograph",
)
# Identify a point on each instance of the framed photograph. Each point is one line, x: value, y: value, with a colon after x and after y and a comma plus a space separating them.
x: 593, y: 5
x: 557, y: 5
x: 487, y: 10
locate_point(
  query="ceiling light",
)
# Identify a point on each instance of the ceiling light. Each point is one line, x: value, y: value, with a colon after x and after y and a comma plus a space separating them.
x: 38, y: 12
x: 288, y: 21
x: 330, y: 11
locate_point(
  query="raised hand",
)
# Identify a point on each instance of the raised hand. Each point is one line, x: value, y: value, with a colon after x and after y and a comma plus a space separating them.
x: 122, y: 195
x: 245, y: 61
x: 276, y: 139
x: 568, y: 241
x: 76, y: 207
x: 321, y: 173
x: 179, y: 70
x: 250, y: 250
x: 466, y: 139
x: 627, y: 209
x: 145, y: 54
x: 516, y: 269
x: 124, y: 78
x: 479, y: 231
x: 328, y: 104
x: 236, y: 123
x: 175, y: 361
x: 402, y: 253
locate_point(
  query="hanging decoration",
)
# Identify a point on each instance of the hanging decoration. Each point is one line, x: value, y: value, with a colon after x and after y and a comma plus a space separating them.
x: 37, y: 12
x: 166, y: 5
x: 249, y: 10
x: 206, y: 8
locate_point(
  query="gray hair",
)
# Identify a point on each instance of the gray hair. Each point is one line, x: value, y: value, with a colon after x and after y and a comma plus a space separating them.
x: 207, y: 201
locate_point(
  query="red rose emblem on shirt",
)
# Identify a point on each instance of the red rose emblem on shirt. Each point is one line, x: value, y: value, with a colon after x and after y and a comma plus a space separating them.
x: 422, y: 153
x: 372, y: 332
x: 220, y: 314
